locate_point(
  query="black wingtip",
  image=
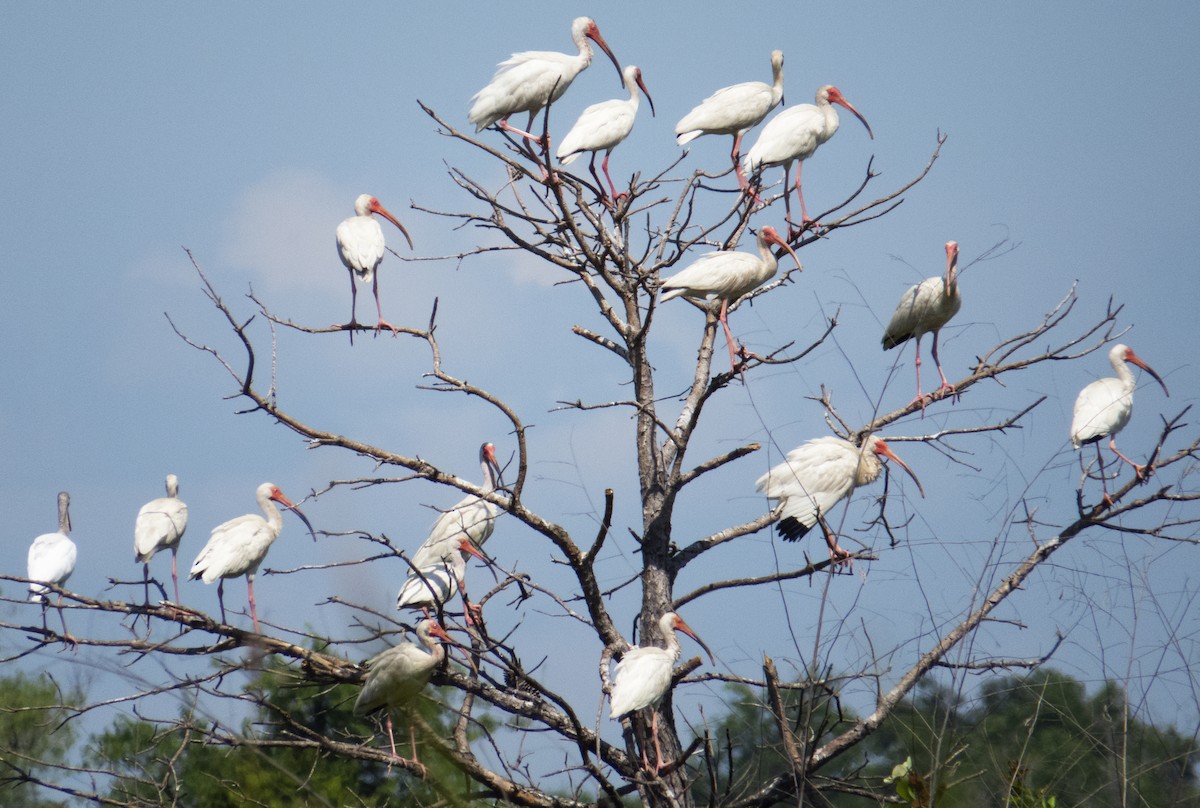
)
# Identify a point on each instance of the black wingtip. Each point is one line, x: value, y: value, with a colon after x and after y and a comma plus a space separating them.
x: 792, y: 529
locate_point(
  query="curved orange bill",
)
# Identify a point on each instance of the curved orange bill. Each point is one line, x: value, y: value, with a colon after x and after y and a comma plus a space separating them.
x: 772, y: 236
x: 883, y: 450
x: 385, y: 213
x: 645, y: 92
x: 843, y: 102
x: 686, y: 629
x: 287, y: 503
x: 1137, y: 360
x: 594, y: 35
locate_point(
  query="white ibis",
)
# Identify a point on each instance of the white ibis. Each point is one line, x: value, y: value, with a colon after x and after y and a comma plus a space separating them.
x: 52, y: 560
x: 360, y: 245
x: 643, y: 676
x: 726, y: 275
x: 430, y: 587
x: 528, y: 81
x: 238, y: 546
x: 734, y: 110
x: 819, y: 474
x: 159, y: 526
x: 927, y: 307
x: 1104, y: 406
x: 793, y: 135
x: 397, y: 675
x: 472, y: 517
x: 602, y: 126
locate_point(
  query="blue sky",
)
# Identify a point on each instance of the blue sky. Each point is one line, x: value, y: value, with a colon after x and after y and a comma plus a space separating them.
x: 244, y: 133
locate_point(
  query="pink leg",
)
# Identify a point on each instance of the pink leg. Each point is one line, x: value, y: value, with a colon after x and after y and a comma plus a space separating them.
x: 378, y: 308
x: 724, y: 318
x: 253, y: 610
x: 659, y: 765
x: 945, y: 384
x: 616, y: 196
x: 175, y: 572
x: 391, y: 738
x: 1139, y: 469
x: 737, y: 164
x: 504, y: 124
x: 917, y: 363
x: 1103, y: 478
x: 596, y: 177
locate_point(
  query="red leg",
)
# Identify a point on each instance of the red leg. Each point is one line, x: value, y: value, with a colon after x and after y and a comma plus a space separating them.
x: 599, y: 184
x: 724, y: 318
x: 615, y: 196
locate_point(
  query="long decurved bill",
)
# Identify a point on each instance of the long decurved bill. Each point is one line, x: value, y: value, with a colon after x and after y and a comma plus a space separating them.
x: 385, y: 213
x: 593, y: 33
x: 771, y: 235
x: 686, y: 629
x: 836, y: 97
x: 883, y: 450
x: 1133, y: 358
x: 287, y: 503
x: 645, y: 92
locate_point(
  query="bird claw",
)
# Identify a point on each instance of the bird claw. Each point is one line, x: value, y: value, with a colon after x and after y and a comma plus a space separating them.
x: 385, y: 324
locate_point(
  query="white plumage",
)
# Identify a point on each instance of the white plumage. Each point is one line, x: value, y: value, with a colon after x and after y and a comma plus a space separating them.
x: 524, y: 82
x: 819, y: 474
x: 734, y: 110
x: 727, y: 275
x: 601, y: 127
x: 52, y: 555
x: 159, y: 526
x: 360, y: 246
x: 794, y: 135
x: 1103, y: 407
x: 398, y: 674
x: 926, y: 307
x: 643, y: 675
x: 238, y: 546
x: 472, y: 518
x: 432, y: 586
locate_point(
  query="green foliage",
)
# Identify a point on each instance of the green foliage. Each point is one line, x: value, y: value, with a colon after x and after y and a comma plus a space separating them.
x: 169, y: 764
x: 33, y: 737
x: 1036, y: 741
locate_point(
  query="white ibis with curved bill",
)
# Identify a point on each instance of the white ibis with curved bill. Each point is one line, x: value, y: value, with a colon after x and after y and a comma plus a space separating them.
x: 528, y: 81
x: 472, y: 517
x: 734, y: 110
x: 794, y: 135
x: 1104, y: 406
x: 727, y: 275
x: 643, y: 676
x: 601, y: 127
x: 926, y: 307
x: 238, y: 546
x: 397, y: 675
x: 360, y: 245
x: 430, y: 587
x: 159, y: 526
x: 51, y: 560
x: 819, y: 474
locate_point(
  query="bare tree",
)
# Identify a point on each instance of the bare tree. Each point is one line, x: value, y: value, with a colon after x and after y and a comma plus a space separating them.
x: 616, y: 256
